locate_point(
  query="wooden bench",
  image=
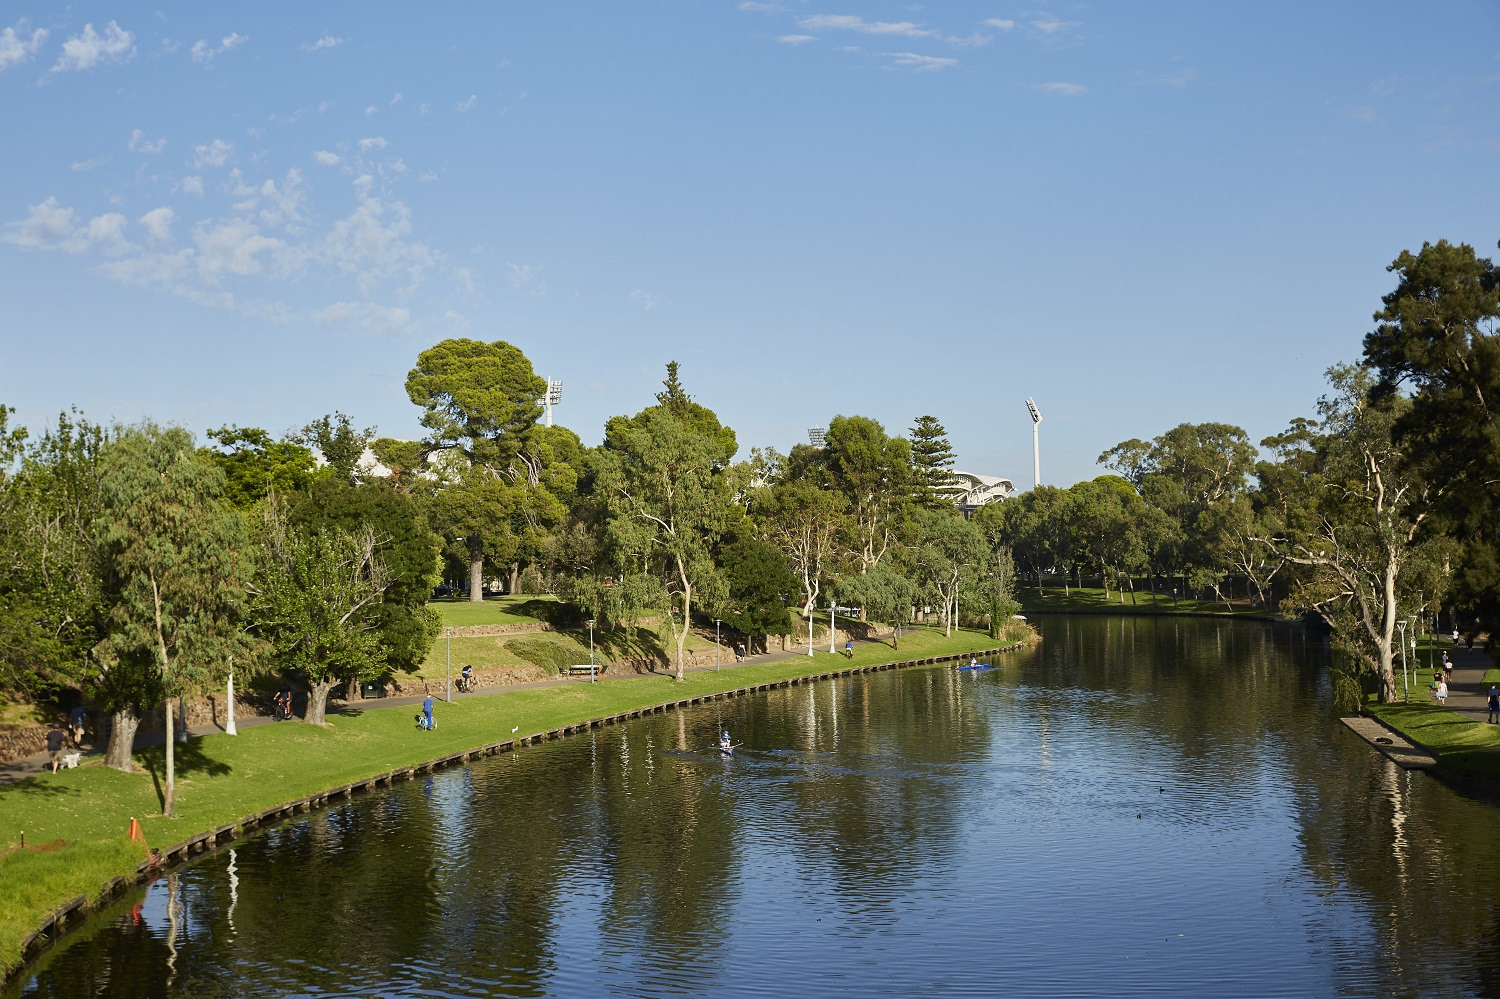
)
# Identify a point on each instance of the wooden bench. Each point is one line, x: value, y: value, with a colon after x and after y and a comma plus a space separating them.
x: 589, y: 669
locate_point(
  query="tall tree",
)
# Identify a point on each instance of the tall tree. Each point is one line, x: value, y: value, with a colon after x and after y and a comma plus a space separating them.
x: 873, y: 471
x: 757, y: 584
x: 480, y: 403
x: 315, y: 599
x: 1360, y: 537
x: 176, y: 552
x: 661, y: 473
x: 1436, y: 337
x: 803, y: 521
x: 932, y: 463
x: 950, y: 552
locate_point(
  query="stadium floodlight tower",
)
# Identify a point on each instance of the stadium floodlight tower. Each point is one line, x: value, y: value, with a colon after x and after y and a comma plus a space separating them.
x: 818, y: 436
x: 552, y: 398
x: 1036, y: 446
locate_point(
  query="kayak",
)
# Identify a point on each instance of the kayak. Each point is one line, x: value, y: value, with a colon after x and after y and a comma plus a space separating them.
x: 977, y: 666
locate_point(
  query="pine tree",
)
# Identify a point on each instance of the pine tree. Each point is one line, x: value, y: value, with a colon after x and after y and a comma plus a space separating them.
x: 931, y: 459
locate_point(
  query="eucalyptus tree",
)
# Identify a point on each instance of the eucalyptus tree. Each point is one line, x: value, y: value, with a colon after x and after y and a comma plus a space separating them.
x: 883, y: 593
x: 1032, y: 526
x: 1358, y: 533
x: 998, y: 574
x: 804, y: 521
x: 949, y: 553
x: 661, y: 476
x: 1436, y: 338
x: 873, y: 472
x: 177, y: 572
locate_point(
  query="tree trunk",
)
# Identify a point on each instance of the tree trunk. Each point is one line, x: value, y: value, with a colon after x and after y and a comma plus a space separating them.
x: 317, y: 701
x: 171, y: 778
x: 476, y: 576
x: 514, y: 586
x: 122, y: 727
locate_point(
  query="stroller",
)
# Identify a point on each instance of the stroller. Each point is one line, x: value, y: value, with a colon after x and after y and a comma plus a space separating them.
x: 421, y: 720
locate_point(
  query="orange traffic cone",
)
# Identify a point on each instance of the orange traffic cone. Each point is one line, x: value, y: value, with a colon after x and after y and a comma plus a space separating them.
x: 136, y: 836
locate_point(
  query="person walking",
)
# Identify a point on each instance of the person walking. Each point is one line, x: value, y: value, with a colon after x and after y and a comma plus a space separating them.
x: 1442, y: 692
x: 1494, y: 705
x: 427, y: 713
x: 1447, y: 668
x: 55, y: 742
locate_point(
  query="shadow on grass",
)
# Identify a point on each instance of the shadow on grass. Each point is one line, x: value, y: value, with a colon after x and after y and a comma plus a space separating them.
x: 37, y: 787
x: 188, y: 759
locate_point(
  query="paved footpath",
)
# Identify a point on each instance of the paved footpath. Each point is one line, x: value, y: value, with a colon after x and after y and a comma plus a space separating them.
x: 1468, y: 694
x: 32, y: 766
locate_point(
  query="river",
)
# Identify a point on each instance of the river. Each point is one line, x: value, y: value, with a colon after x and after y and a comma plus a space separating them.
x: 1138, y: 806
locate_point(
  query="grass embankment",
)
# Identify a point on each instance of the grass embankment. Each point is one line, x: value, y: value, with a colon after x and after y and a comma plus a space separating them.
x: 1463, y: 746
x: 221, y: 779
x: 1092, y: 600
x: 523, y: 609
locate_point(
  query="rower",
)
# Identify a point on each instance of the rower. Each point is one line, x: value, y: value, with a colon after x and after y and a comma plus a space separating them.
x: 725, y: 745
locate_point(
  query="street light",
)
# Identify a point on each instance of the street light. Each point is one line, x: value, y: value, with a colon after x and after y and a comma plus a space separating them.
x: 552, y: 398
x: 817, y: 436
x: 809, y: 629
x: 1036, y: 446
x: 229, y: 728
x: 716, y: 643
x: 833, y: 609
x: 593, y: 672
x: 448, y: 682
x: 1405, y: 678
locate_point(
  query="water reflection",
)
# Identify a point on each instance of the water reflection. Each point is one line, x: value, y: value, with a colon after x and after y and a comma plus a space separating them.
x: 1149, y: 806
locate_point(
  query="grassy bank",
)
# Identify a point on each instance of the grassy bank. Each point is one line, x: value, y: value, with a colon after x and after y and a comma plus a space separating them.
x: 1464, y: 747
x: 80, y: 818
x: 1092, y: 600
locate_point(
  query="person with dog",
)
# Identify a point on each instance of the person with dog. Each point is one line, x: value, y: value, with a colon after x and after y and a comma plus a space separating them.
x: 56, y: 745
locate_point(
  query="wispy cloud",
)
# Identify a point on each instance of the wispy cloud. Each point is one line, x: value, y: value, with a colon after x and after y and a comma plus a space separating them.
x: 375, y: 142
x: 324, y: 158
x: 204, y: 53
x: 366, y: 315
x: 467, y: 104
x: 140, y: 144
x: 761, y: 8
x: 644, y: 299
x: 83, y: 166
x: 796, y: 39
x: 1060, y: 89
x: 1366, y: 115
x: 1053, y: 26
x: 17, y: 47
x: 851, y: 22
x: 91, y: 48
x: 215, y: 154
x: 526, y: 279
x: 1180, y: 77
x: 999, y: 23
x: 322, y: 44
x: 920, y: 63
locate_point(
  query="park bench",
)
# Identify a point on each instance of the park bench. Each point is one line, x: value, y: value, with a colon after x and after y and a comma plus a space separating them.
x: 587, y: 669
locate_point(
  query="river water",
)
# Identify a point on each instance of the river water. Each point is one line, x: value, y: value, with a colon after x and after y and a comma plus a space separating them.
x: 1148, y: 806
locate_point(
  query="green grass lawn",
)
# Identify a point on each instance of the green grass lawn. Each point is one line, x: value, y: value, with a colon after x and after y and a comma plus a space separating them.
x: 1463, y: 746
x: 523, y: 609
x: 221, y: 778
x: 1093, y: 600
x: 494, y: 651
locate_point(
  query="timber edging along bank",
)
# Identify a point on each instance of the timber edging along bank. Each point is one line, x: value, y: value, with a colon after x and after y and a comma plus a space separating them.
x: 71, y: 913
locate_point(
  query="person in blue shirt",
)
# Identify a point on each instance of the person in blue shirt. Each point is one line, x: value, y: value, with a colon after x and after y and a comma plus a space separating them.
x: 427, y: 713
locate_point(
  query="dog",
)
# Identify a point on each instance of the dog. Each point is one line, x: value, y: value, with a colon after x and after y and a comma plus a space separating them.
x: 70, y: 760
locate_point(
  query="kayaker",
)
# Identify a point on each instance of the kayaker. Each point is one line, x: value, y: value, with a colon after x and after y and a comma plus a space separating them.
x: 725, y: 745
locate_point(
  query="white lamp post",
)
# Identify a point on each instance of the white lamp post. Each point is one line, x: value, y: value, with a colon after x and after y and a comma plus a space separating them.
x: 552, y: 398
x: 716, y: 643
x: 833, y: 610
x: 448, y: 683
x: 229, y: 720
x: 1036, y: 446
x: 592, y: 672
x: 809, y: 629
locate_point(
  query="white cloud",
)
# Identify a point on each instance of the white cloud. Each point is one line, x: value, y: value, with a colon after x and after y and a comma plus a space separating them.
x: 1366, y: 115
x: 365, y: 145
x: 158, y: 225
x: 371, y: 244
x: 397, y: 99
x: 427, y: 176
x: 47, y: 226
x: 468, y: 104
x: 140, y: 144
x: 644, y: 299
x: 1061, y: 89
x: 91, y: 48
x: 379, y: 318
x: 322, y: 44
x: 324, y: 158
x: 999, y: 23
x: 234, y: 247
x: 1052, y: 26
x: 191, y: 185
x: 215, y: 154
x: 796, y: 39
x: 205, y: 53
x: 83, y: 166
x: 920, y: 63
x: 526, y: 279
x: 850, y: 22
x: 16, y: 47
x: 1180, y: 77
x: 759, y: 7
x: 106, y: 233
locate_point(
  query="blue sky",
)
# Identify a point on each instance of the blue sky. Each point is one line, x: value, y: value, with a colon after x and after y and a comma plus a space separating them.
x: 1138, y: 214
